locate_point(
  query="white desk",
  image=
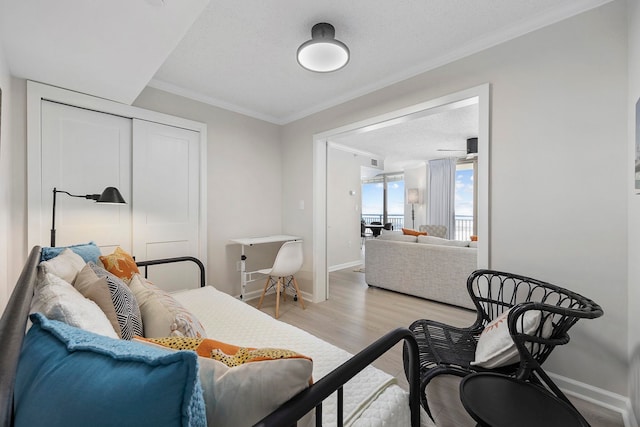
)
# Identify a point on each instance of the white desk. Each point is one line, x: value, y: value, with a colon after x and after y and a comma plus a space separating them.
x: 247, y: 276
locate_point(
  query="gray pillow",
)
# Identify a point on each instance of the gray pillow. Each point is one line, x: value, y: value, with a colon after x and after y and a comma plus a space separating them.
x: 397, y: 236
x: 444, y: 242
x: 124, y: 302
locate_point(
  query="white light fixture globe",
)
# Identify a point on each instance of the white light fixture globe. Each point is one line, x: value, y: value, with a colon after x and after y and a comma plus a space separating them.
x: 323, y: 53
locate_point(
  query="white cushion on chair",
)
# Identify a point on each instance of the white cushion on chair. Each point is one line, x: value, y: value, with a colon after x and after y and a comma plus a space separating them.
x: 496, y: 348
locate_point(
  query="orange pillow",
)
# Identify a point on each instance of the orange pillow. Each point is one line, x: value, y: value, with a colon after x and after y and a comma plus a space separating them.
x: 120, y: 264
x: 474, y: 238
x: 410, y: 232
x: 229, y: 354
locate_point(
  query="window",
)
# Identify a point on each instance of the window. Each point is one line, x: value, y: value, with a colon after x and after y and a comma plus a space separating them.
x: 383, y: 199
x: 465, y: 200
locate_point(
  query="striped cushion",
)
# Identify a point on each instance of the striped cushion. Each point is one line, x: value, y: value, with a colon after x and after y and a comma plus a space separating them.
x: 124, y: 302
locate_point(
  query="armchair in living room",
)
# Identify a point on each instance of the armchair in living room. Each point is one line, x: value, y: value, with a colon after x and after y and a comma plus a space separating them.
x: 434, y: 230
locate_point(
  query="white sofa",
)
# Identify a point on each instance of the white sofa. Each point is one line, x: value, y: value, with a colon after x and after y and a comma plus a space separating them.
x: 425, y: 266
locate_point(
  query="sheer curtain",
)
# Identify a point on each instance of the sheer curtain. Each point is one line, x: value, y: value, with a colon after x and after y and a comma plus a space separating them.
x: 442, y: 186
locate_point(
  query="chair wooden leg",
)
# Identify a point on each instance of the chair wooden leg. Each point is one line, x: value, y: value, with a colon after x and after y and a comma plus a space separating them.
x: 264, y: 292
x: 278, y: 298
x: 295, y: 285
x: 284, y: 288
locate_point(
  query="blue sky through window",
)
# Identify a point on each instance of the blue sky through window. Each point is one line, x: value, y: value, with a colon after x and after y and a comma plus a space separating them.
x: 464, y: 192
x: 372, y: 196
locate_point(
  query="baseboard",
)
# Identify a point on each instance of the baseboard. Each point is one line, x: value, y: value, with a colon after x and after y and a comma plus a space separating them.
x: 345, y: 265
x: 597, y: 396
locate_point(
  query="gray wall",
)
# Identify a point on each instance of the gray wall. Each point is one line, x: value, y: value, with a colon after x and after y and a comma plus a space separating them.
x: 561, y: 206
x: 344, y: 209
x: 558, y: 168
x: 634, y: 207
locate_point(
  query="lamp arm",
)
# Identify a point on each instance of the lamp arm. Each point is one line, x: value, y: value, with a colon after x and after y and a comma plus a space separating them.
x: 53, y: 214
x: 86, y: 196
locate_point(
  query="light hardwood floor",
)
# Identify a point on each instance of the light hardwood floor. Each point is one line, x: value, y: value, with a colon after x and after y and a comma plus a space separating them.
x: 356, y: 315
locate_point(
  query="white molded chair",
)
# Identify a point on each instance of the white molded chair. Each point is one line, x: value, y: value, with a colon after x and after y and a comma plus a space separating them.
x: 281, y: 276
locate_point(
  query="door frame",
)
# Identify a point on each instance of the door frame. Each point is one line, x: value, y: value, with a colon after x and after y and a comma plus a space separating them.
x: 443, y: 103
x: 37, y: 92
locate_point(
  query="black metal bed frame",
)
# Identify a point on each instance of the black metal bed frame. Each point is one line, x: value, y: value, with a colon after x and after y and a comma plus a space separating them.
x: 14, y: 321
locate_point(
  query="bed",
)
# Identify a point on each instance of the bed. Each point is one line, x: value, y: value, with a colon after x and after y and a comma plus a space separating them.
x: 346, y: 389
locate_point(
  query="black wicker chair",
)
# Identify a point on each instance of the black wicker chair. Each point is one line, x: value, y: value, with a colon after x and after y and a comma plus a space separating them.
x: 445, y: 349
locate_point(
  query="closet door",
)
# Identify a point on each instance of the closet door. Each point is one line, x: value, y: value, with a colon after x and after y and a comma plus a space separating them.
x: 166, y: 195
x: 83, y: 152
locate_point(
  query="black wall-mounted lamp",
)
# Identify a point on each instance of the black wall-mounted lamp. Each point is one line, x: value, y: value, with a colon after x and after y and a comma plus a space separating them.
x: 110, y: 195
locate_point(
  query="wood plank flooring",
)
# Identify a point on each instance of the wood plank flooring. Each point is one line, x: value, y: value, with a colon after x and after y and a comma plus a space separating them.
x: 356, y: 315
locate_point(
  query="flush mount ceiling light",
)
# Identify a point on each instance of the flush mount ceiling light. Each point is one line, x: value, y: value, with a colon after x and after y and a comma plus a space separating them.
x: 323, y: 53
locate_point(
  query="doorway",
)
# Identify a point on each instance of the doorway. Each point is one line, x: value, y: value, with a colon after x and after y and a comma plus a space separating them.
x: 478, y: 94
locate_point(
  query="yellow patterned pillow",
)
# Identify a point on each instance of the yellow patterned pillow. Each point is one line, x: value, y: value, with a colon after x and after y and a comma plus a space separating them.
x: 230, y: 355
x: 244, y: 394
x: 120, y: 264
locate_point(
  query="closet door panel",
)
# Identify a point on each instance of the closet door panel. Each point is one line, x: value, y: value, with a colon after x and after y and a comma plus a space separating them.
x: 83, y: 152
x: 166, y: 177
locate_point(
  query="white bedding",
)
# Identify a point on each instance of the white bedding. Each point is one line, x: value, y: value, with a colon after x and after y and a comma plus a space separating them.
x: 371, y: 398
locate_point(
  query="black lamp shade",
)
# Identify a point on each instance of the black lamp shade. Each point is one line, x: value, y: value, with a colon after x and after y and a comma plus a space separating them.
x: 111, y: 195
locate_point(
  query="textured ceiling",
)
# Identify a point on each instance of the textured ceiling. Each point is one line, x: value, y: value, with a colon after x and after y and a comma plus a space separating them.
x: 413, y: 142
x: 240, y: 55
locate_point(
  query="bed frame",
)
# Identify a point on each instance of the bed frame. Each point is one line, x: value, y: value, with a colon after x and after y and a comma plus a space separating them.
x: 14, y: 321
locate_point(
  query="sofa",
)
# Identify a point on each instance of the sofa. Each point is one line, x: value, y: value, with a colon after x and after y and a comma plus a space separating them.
x: 192, y: 358
x: 424, y: 266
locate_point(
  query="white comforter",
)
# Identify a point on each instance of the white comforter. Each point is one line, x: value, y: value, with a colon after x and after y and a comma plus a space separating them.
x: 371, y: 398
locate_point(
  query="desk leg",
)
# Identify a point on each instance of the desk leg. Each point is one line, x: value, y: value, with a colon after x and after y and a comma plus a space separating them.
x: 243, y: 274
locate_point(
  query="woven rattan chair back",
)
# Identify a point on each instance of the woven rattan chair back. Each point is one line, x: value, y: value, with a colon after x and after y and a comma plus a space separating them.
x: 445, y: 349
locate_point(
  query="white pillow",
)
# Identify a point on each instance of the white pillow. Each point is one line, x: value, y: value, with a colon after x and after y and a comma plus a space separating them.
x: 59, y: 300
x: 397, y: 236
x: 66, y: 266
x: 431, y: 240
x: 496, y: 348
x: 244, y: 394
x: 162, y: 315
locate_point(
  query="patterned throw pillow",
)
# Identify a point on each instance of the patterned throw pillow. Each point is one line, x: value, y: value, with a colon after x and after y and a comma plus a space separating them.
x: 230, y: 355
x: 120, y: 263
x: 124, y: 302
x: 496, y: 347
x: 162, y: 315
x: 246, y: 393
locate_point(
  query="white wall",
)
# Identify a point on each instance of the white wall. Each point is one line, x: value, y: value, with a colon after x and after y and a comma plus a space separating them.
x: 13, y: 155
x: 244, y: 185
x: 345, y: 209
x: 558, y: 168
x: 5, y: 178
x: 634, y: 206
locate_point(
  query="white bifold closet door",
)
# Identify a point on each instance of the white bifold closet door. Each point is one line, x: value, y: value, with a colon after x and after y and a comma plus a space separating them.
x: 166, y: 177
x: 83, y: 152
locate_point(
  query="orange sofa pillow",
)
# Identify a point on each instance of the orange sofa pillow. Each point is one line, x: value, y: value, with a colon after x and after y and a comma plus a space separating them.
x: 410, y: 232
x: 474, y: 238
x: 120, y: 264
